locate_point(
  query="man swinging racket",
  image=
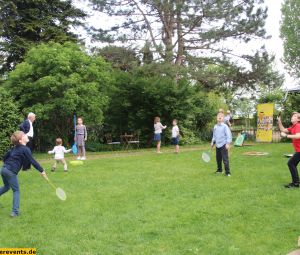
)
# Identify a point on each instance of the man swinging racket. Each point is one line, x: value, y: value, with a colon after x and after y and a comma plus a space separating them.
x: 293, y: 133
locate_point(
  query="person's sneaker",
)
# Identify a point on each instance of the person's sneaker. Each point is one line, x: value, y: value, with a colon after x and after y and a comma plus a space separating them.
x: 83, y: 158
x: 52, y: 169
x: 292, y: 185
x: 13, y: 215
x: 218, y: 172
x: 228, y: 175
x: 78, y: 158
x: 66, y: 170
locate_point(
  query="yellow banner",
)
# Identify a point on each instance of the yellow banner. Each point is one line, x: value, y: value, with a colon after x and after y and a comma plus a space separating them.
x: 264, y: 122
x: 17, y: 251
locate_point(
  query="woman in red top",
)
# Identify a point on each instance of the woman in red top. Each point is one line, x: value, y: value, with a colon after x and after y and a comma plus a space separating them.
x: 293, y: 133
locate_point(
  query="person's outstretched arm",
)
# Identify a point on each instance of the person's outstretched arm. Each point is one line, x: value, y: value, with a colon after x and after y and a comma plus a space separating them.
x: 51, y: 152
x: 66, y: 151
x: 85, y: 133
x: 28, y: 155
x: 281, y: 127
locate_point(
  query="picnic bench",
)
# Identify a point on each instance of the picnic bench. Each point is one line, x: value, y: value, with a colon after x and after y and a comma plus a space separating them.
x: 130, y: 140
x: 110, y: 141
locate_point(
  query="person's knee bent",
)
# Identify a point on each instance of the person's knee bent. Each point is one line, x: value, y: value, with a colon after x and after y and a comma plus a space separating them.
x: 5, y: 189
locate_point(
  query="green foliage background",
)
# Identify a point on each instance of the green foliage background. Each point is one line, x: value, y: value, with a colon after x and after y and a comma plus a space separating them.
x: 10, y: 118
x: 54, y: 81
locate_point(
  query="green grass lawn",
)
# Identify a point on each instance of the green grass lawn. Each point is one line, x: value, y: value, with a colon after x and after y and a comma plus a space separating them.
x: 144, y: 203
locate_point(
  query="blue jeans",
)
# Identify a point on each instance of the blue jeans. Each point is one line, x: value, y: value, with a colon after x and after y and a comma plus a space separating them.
x: 10, y: 180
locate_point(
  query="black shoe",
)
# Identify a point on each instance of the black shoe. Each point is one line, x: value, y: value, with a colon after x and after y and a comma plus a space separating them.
x: 292, y: 185
x: 228, y: 174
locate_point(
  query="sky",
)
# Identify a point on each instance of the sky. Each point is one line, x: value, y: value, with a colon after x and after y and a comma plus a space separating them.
x: 274, y: 45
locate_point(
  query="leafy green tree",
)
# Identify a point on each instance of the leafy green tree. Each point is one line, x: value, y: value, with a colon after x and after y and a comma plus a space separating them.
x: 56, y: 80
x: 138, y: 98
x: 245, y: 108
x: 10, y: 118
x: 24, y: 24
x: 291, y: 105
x: 231, y: 80
x: 290, y: 33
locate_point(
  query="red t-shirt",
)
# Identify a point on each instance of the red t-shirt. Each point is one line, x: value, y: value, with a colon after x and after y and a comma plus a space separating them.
x: 294, y: 130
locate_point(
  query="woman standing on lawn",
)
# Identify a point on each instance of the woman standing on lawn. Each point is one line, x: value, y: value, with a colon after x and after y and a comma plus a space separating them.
x: 293, y: 133
x: 158, y: 128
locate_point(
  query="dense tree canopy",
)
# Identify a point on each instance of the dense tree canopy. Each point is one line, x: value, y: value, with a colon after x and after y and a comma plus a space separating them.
x: 120, y: 57
x: 54, y: 81
x: 141, y: 95
x: 24, y: 24
x: 290, y: 32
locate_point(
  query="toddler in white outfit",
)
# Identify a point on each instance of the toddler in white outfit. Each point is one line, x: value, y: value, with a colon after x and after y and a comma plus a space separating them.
x: 59, y: 155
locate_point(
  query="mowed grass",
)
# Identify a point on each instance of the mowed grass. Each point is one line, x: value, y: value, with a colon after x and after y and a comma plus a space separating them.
x: 145, y: 203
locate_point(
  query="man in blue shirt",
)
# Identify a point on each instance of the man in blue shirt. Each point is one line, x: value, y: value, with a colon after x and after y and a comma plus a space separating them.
x: 222, y: 138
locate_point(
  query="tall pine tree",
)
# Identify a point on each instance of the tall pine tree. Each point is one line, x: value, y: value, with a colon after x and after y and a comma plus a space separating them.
x: 177, y: 28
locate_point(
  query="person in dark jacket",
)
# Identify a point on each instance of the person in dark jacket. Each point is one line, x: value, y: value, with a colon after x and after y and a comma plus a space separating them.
x: 14, y: 160
x: 27, y: 128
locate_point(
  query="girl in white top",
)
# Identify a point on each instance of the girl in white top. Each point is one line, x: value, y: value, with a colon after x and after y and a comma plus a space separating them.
x: 59, y: 155
x: 158, y: 128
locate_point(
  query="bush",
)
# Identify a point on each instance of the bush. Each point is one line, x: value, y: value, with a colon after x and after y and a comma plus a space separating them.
x: 54, y: 81
x: 137, y: 99
x: 10, y: 119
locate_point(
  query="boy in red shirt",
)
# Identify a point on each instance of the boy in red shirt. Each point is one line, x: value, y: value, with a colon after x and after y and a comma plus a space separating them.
x: 293, y: 133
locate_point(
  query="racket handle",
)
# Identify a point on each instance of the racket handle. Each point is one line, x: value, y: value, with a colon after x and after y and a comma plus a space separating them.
x: 46, y: 177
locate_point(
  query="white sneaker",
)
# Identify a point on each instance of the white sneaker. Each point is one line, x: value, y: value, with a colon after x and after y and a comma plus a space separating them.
x: 79, y: 158
x: 83, y: 158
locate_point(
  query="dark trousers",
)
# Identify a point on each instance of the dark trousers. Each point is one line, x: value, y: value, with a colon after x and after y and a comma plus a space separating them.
x: 30, y: 146
x: 292, y: 163
x: 222, y: 155
x: 30, y: 143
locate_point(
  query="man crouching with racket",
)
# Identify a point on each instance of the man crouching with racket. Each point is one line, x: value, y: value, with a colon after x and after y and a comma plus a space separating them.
x: 222, y: 138
x: 14, y: 160
x: 293, y: 133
